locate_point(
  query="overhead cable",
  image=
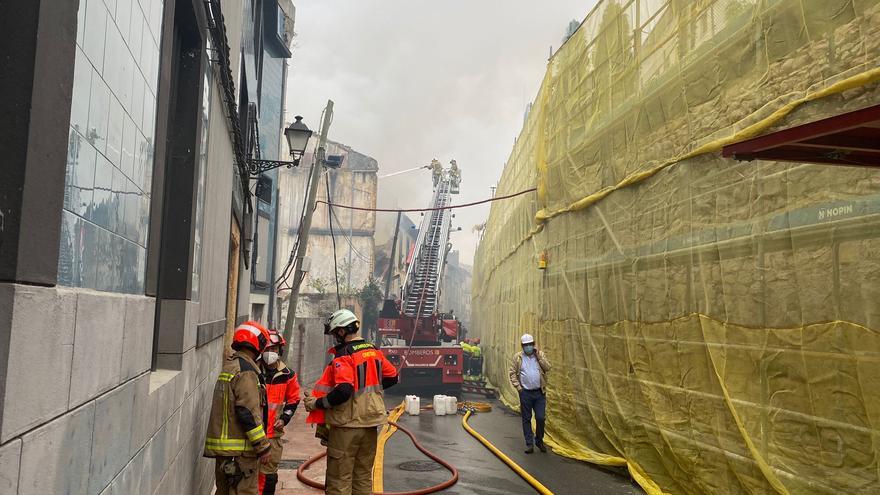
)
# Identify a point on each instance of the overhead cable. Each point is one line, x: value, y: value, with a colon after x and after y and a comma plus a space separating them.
x: 408, y: 210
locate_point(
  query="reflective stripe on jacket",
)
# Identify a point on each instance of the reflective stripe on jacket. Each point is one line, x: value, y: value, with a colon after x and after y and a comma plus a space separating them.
x: 473, y: 350
x: 282, y: 393
x: 235, y: 426
x: 363, y: 366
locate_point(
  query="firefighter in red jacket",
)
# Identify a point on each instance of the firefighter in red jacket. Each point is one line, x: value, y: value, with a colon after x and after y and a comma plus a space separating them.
x: 353, y: 406
x: 282, y: 394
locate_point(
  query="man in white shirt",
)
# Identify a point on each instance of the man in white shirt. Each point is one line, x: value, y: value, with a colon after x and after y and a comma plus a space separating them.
x: 527, y: 375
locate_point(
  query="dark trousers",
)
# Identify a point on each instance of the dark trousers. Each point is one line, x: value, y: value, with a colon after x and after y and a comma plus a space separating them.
x: 533, y: 400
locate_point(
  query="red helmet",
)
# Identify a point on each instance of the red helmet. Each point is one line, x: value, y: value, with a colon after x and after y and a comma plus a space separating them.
x: 275, y: 338
x: 250, y: 335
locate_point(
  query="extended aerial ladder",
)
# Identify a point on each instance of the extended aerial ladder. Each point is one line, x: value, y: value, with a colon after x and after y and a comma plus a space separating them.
x: 421, y: 290
x: 415, y: 335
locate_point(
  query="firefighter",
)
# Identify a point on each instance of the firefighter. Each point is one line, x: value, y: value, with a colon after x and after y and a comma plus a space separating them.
x: 436, y: 171
x: 236, y: 438
x: 282, y: 394
x: 455, y: 173
x: 476, y: 359
x: 467, y: 352
x: 353, y: 406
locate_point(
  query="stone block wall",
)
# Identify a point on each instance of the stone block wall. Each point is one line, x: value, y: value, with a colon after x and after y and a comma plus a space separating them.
x: 81, y: 410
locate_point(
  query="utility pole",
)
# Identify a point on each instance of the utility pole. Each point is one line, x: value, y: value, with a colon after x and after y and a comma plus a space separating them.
x: 299, y: 275
x: 351, y: 230
x: 393, y: 252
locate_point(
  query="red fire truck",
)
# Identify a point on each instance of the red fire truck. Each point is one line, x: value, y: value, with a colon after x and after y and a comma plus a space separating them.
x: 416, y: 337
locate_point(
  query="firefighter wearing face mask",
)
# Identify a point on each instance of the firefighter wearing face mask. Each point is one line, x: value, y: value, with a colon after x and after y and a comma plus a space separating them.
x: 283, y: 395
x: 236, y: 436
x: 352, y: 405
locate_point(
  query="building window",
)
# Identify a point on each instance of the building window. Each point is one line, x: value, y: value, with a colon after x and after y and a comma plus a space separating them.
x: 282, y: 25
x: 199, y: 221
x: 110, y: 150
x: 262, y: 263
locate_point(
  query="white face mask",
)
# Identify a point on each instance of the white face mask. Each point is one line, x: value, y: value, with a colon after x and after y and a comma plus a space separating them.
x: 270, y: 357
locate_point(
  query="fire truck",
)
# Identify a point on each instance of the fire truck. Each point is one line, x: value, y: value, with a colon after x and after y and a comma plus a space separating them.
x: 418, y: 339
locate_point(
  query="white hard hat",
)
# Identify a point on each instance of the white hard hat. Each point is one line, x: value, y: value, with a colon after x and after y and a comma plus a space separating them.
x: 527, y: 339
x: 340, y: 319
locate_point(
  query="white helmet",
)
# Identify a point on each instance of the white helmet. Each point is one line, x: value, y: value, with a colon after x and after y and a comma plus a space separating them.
x: 342, y: 318
x: 527, y: 339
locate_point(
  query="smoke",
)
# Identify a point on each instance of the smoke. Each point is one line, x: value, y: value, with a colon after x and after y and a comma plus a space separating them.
x: 414, y: 80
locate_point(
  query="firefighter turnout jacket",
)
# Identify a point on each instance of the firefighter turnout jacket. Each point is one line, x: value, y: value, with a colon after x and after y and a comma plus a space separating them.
x: 235, y: 427
x: 350, y: 391
x: 282, y: 394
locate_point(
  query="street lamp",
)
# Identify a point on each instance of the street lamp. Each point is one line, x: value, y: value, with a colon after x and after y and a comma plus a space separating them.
x: 297, y: 135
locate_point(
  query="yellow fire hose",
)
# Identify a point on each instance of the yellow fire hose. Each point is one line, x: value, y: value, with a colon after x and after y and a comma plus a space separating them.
x: 516, y: 468
x: 482, y: 407
x: 469, y: 408
x: 384, y: 435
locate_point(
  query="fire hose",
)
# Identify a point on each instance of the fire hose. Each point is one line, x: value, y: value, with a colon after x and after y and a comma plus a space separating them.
x: 469, y: 408
x: 300, y: 473
x: 540, y: 488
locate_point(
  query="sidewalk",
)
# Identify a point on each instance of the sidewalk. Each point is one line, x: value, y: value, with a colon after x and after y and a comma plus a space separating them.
x: 299, y: 444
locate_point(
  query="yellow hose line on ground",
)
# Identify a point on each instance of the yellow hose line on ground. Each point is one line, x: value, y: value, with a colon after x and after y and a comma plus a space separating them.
x: 384, y: 435
x: 520, y: 471
x: 475, y: 406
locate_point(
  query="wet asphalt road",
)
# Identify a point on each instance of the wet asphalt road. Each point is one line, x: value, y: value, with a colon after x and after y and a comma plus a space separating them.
x: 480, y: 472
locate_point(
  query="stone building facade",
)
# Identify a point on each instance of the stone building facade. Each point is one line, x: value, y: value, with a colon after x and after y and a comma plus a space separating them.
x: 354, y: 183
x: 124, y: 235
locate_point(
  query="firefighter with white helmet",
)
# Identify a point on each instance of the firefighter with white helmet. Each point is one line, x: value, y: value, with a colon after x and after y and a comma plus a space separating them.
x: 349, y: 399
x: 528, y: 376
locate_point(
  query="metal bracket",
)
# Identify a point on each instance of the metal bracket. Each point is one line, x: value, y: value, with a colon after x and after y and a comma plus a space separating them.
x: 258, y: 167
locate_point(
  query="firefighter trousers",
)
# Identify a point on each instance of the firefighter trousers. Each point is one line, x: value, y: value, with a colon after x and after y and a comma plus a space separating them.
x: 350, y: 455
x: 269, y: 471
x: 247, y: 485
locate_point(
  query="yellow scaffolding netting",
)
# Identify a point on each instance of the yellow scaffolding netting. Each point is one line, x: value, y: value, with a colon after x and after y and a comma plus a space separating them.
x: 713, y: 323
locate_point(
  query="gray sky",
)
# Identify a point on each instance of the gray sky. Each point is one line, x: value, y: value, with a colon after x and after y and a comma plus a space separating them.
x: 417, y: 79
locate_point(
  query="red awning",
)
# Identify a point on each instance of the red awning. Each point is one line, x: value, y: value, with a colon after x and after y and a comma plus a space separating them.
x: 850, y: 139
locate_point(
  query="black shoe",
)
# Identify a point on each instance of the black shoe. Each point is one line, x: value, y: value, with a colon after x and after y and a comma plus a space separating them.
x: 542, y: 447
x: 529, y: 449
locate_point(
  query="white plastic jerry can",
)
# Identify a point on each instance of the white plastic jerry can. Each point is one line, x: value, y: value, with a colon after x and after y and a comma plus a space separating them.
x: 451, y: 405
x: 439, y: 405
x: 413, y: 405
